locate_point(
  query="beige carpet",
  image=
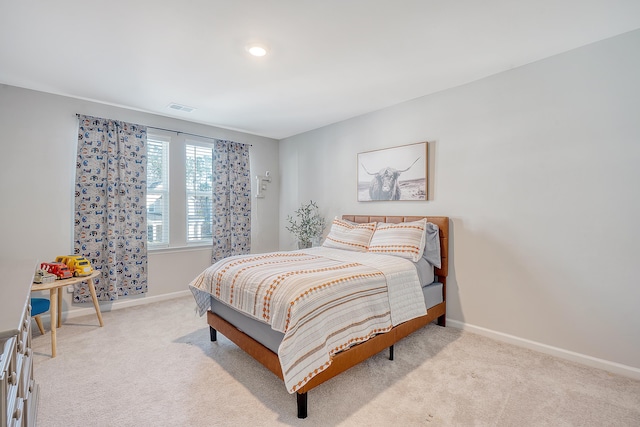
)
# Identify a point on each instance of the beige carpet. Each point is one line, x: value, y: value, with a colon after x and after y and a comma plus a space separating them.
x: 154, y: 365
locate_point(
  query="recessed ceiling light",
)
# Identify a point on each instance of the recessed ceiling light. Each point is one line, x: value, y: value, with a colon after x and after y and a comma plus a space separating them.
x: 256, y: 49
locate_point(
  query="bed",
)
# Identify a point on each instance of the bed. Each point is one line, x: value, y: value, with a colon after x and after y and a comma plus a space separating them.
x: 265, y: 331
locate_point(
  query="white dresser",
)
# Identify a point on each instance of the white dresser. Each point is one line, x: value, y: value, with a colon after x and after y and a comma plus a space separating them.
x: 18, y: 391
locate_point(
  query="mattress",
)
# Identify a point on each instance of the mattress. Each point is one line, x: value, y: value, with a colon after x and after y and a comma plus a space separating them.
x: 271, y: 339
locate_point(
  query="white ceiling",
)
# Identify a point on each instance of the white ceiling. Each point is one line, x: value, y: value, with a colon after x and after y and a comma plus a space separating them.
x: 329, y: 59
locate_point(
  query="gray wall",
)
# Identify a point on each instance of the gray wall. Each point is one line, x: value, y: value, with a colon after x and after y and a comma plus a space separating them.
x: 538, y: 169
x: 38, y: 138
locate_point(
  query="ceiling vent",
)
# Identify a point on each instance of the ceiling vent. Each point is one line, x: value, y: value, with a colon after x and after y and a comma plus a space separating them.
x: 180, y: 107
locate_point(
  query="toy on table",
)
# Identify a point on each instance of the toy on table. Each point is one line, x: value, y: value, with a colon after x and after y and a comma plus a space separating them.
x: 60, y: 269
x: 78, y: 265
x: 43, y: 276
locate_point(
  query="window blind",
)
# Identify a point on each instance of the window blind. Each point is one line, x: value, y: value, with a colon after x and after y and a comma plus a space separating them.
x: 157, y: 191
x: 199, y: 181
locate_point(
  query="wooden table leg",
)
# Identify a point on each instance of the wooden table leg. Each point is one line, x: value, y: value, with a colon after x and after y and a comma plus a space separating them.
x: 53, y: 296
x: 92, y: 289
x: 59, y: 307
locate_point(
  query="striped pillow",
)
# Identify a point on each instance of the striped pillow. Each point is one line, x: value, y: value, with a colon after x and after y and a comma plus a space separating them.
x: 405, y: 239
x: 349, y: 236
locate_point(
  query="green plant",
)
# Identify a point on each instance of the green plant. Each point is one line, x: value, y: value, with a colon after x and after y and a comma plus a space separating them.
x: 308, y: 225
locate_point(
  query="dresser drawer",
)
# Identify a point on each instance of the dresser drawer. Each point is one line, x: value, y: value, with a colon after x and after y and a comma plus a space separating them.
x: 24, y: 337
x: 8, y: 379
x: 25, y: 375
x: 17, y: 414
x: 30, y: 405
x: 14, y: 406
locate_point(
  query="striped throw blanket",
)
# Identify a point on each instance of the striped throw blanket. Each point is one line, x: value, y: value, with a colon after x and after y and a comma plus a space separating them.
x: 323, y: 300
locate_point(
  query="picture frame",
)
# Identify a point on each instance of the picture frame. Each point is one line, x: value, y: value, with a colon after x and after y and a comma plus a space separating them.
x: 393, y: 174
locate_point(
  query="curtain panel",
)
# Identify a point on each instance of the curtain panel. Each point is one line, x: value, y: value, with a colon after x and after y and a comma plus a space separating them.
x: 231, y: 200
x: 110, y: 206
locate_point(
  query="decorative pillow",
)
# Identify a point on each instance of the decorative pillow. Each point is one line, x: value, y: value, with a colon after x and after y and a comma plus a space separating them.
x: 405, y: 239
x: 350, y: 236
x: 432, y: 245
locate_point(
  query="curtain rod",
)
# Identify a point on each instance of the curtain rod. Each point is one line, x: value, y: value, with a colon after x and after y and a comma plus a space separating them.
x: 192, y: 134
x: 180, y: 132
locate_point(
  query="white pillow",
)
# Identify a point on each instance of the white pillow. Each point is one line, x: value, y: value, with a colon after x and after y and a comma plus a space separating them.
x: 432, y: 245
x: 405, y: 239
x: 349, y: 236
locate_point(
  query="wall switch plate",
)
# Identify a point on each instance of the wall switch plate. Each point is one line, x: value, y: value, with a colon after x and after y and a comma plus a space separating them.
x: 70, y: 289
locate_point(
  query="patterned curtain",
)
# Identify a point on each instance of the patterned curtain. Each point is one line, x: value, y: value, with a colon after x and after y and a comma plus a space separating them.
x: 110, y: 206
x: 231, y: 200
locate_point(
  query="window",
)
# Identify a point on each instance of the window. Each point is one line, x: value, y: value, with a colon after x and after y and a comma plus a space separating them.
x: 199, y: 186
x: 157, y: 191
x: 179, y: 190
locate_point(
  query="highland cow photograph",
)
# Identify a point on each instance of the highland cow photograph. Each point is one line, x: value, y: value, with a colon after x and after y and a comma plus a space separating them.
x: 398, y: 173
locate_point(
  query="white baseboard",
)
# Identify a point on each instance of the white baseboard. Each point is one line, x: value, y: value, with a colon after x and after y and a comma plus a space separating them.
x: 594, y: 362
x: 117, y: 305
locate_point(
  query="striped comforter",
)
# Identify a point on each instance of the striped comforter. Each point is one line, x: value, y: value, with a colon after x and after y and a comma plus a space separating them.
x: 323, y: 300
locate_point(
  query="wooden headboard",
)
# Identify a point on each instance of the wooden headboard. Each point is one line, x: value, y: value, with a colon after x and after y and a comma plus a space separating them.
x: 441, y: 221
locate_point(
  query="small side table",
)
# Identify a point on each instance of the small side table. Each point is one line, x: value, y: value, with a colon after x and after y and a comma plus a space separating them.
x: 55, y: 296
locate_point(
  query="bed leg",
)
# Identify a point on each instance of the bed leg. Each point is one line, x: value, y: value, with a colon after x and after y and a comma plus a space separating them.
x: 442, y: 321
x: 213, y: 334
x: 302, y: 405
x: 391, y: 353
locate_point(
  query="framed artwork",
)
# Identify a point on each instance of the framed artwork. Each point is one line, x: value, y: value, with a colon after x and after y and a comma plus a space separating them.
x: 397, y: 173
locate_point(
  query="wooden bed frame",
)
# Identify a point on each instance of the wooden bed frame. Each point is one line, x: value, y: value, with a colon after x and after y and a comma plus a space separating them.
x: 356, y: 354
